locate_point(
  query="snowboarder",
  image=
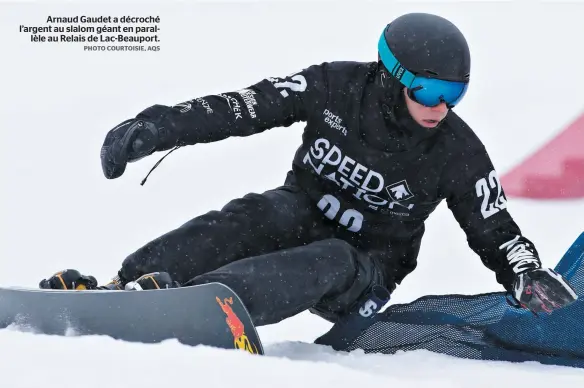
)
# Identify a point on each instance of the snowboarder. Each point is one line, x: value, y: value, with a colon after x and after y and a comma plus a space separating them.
x: 381, y: 149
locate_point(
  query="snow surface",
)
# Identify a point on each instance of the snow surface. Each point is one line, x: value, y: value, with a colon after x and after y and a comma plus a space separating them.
x: 57, y: 210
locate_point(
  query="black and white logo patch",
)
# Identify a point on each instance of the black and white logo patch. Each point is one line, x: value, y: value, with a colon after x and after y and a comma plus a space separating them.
x: 399, y: 191
x: 184, y: 106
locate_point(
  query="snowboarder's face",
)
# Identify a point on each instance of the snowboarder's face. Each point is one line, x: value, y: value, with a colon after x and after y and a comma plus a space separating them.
x: 428, y: 117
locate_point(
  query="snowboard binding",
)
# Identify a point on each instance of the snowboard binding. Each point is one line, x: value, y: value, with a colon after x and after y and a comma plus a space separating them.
x: 71, y: 279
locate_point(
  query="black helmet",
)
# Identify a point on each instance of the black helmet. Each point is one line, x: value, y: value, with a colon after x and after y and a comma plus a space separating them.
x: 429, y: 45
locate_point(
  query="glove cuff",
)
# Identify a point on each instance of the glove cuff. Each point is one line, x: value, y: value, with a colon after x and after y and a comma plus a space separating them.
x: 520, y: 257
x: 162, y: 124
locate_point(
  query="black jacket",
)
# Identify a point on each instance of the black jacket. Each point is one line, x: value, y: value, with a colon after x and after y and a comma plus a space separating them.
x: 365, y: 162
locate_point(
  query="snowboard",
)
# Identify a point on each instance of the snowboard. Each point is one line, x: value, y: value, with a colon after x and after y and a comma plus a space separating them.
x: 210, y: 314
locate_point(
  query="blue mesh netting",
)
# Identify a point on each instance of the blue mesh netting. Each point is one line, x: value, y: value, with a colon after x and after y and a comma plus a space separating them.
x: 482, y: 327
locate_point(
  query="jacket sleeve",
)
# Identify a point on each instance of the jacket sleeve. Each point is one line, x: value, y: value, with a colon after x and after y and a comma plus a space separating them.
x: 272, y: 102
x: 474, y: 195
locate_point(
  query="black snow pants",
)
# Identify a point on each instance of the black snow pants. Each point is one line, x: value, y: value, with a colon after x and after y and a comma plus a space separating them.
x: 276, y: 250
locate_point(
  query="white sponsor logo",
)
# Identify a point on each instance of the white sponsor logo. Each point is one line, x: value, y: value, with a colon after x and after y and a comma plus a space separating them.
x: 400, y: 72
x: 364, y: 183
x: 368, y: 309
x: 249, y: 101
x: 233, y: 105
x: 184, y: 106
x: 334, y: 121
x: 519, y: 254
x: 399, y: 191
x: 188, y: 105
x: 205, y: 105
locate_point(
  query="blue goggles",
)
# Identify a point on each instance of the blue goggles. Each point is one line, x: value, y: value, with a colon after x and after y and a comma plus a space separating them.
x: 425, y: 91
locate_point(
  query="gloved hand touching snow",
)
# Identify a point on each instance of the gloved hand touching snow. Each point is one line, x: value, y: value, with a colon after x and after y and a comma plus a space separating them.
x: 542, y: 290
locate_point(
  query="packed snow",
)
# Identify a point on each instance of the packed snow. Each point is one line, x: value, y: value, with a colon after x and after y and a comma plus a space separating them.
x: 58, y: 211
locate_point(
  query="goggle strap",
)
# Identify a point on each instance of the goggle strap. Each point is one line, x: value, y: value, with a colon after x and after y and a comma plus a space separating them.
x: 393, y: 65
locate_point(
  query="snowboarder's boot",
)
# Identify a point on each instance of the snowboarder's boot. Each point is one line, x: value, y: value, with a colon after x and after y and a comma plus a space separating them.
x: 152, y: 281
x: 71, y: 279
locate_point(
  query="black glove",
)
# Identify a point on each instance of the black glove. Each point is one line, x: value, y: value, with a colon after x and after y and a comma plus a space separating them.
x: 131, y: 140
x: 542, y: 290
x: 69, y: 279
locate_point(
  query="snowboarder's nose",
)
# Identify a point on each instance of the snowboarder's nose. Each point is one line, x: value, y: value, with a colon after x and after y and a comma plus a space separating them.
x: 440, y: 107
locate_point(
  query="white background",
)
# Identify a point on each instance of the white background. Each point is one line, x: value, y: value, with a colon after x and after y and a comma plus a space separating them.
x: 57, y: 210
